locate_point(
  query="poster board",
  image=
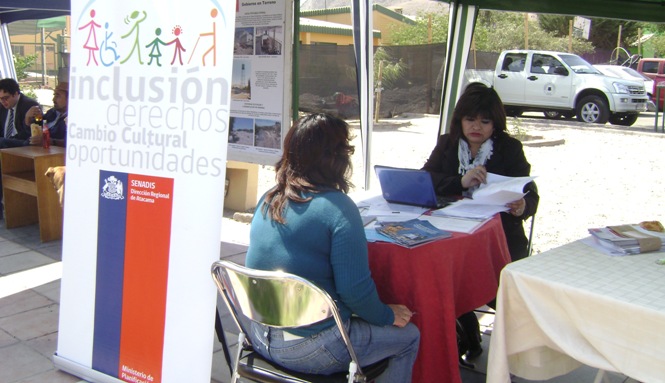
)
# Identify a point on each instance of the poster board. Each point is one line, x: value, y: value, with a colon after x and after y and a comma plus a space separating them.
x: 261, y: 84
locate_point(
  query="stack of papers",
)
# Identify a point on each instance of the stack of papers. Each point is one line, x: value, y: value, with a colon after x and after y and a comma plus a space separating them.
x: 490, y: 198
x: 628, y: 239
x: 411, y: 233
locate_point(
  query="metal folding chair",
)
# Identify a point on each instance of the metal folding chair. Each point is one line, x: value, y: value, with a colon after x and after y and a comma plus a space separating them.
x: 280, y: 300
x: 530, y: 247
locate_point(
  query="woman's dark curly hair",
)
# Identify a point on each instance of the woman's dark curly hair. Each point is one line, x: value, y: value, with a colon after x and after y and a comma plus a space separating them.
x: 317, y: 156
x: 479, y: 100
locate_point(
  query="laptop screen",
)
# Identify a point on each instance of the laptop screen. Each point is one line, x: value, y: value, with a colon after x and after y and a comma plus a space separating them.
x: 406, y: 186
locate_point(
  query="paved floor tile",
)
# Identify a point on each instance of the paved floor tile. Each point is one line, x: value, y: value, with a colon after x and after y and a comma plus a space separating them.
x: 50, y: 290
x: 52, y: 376
x: 31, y: 324
x: 20, y: 361
x: 22, y: 302
x: 6, y: 339
x: 45, y: 345
x: 23, y: 261
x: 9, y: 248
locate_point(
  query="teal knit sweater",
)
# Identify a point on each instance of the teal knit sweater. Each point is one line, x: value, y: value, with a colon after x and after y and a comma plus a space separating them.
x: 323, y: 240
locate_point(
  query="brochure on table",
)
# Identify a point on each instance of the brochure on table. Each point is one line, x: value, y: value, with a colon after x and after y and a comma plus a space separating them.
x: 411, y: 233
x: 374, y: 210
x: 627, y: 239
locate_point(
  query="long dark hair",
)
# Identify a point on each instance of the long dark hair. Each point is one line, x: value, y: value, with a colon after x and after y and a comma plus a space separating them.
x: 317, y: 156
x: 479, y: 100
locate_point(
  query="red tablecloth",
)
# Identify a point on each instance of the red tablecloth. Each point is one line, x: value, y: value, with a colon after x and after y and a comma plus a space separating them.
x: 440, y: 281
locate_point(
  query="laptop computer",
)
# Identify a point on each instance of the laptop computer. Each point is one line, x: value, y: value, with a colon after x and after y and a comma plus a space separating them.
x: 409, y: 187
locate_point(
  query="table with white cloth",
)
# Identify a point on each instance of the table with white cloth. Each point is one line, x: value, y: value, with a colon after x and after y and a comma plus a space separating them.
x: 576, y: 305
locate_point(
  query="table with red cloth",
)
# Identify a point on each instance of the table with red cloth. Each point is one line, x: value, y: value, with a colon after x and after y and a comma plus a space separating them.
x: 440, y: 281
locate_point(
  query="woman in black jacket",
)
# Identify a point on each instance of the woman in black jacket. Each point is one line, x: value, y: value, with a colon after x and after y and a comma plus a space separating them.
x: 478, y: 143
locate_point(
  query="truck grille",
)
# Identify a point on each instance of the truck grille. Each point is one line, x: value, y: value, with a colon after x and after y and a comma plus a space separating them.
x: 636, y: 89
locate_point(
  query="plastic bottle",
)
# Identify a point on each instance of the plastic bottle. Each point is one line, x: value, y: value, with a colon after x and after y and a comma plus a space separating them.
x: 46, y: 136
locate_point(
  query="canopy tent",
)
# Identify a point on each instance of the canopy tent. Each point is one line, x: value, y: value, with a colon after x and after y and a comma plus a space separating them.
x: 462, y: 22
x: 15, y: 10
x: 463, y: 14
x: 636, y: 10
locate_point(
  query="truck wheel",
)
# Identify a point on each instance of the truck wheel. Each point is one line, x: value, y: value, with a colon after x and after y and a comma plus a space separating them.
x: 552, y: 114
x: 593, y: 109
x: 623, y: 119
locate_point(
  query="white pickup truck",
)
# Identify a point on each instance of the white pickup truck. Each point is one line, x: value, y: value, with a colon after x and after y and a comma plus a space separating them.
x: 562, y: 85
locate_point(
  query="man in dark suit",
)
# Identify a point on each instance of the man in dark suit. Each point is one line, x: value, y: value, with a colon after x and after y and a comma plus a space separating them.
x: 12, y: 117
x: 12, y: 114
x: 55, y: 118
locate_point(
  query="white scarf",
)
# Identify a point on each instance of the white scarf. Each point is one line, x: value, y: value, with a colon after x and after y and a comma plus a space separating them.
x: 466, y: 162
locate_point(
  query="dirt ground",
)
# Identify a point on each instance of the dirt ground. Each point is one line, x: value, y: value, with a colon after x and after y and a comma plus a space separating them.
x: 591, y: 176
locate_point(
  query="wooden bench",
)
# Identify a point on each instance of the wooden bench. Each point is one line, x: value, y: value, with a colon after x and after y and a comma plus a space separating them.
x: 29, y: 196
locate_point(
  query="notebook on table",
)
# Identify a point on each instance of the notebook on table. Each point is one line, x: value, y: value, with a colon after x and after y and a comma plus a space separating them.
x: 409, y: 187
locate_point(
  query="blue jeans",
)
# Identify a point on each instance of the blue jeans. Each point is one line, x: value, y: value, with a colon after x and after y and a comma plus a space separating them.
x: 325, y: 353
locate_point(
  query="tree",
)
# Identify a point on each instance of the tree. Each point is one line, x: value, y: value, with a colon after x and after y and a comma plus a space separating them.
x: 498, y: 31
x: 658, y: 43
x: 418, y: 34
x: 558, y: 25
x: 605, y: 32
x: 386, y: 72
x: 22, y: 63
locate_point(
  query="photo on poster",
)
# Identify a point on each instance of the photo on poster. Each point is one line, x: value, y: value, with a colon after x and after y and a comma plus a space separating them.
x: 269, y: 40
x: 243, y: 44
x: 241, y: 80
x: 241, y: 131
x: 268, y: 133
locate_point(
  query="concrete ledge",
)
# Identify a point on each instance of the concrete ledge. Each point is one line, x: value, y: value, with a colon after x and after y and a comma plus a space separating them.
x: 544, y: 142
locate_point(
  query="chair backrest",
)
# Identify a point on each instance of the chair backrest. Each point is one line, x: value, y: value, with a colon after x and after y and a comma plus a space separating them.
x: 278, y: 299
x: 273, y: 298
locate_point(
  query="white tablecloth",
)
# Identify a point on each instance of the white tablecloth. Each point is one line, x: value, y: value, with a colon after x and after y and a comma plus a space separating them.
x: 574, y: 305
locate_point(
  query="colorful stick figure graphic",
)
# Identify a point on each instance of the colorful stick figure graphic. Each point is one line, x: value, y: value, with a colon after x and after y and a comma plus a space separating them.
x: 213, y: 48
x: 135, y: 27
x: 155, y: 53
x: 177, y: 30
x: 105, y: 47
x: 91, y: 42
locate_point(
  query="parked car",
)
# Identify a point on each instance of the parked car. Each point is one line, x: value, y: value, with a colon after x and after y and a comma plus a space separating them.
x: 654, y: 68
x: 630, y: 74
x: 562, y: 84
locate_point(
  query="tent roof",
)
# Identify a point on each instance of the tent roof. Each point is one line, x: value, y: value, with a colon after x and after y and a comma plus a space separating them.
x: 637, y: 10
x: 14, y: 10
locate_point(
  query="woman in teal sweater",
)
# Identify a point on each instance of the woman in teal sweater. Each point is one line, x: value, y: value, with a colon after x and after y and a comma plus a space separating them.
x: 307, y: 225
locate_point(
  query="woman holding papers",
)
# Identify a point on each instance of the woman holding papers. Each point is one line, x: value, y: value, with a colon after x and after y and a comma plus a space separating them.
x: 308, y: 226
x: 479, y: 143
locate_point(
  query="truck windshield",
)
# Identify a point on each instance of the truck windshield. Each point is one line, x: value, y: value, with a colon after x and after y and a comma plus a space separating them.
x: 578, y: 64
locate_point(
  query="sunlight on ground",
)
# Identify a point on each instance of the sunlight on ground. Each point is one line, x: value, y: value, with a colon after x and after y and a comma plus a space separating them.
x: 24, y: 280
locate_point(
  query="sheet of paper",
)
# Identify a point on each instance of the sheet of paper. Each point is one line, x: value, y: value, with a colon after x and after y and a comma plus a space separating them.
x: 465, y: 209
x: 500, y: 190
x: 383, y: 208
x: 455, y: 224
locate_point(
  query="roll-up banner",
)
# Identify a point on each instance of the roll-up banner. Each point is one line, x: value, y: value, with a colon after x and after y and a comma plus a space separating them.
x: 148, y: 124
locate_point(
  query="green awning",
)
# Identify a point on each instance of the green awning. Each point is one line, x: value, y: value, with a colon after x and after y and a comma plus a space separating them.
x: 59, y: 22
x: 637, y: 10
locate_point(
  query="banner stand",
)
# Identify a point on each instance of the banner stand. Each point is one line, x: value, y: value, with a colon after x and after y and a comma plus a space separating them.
x: 83, y: 372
